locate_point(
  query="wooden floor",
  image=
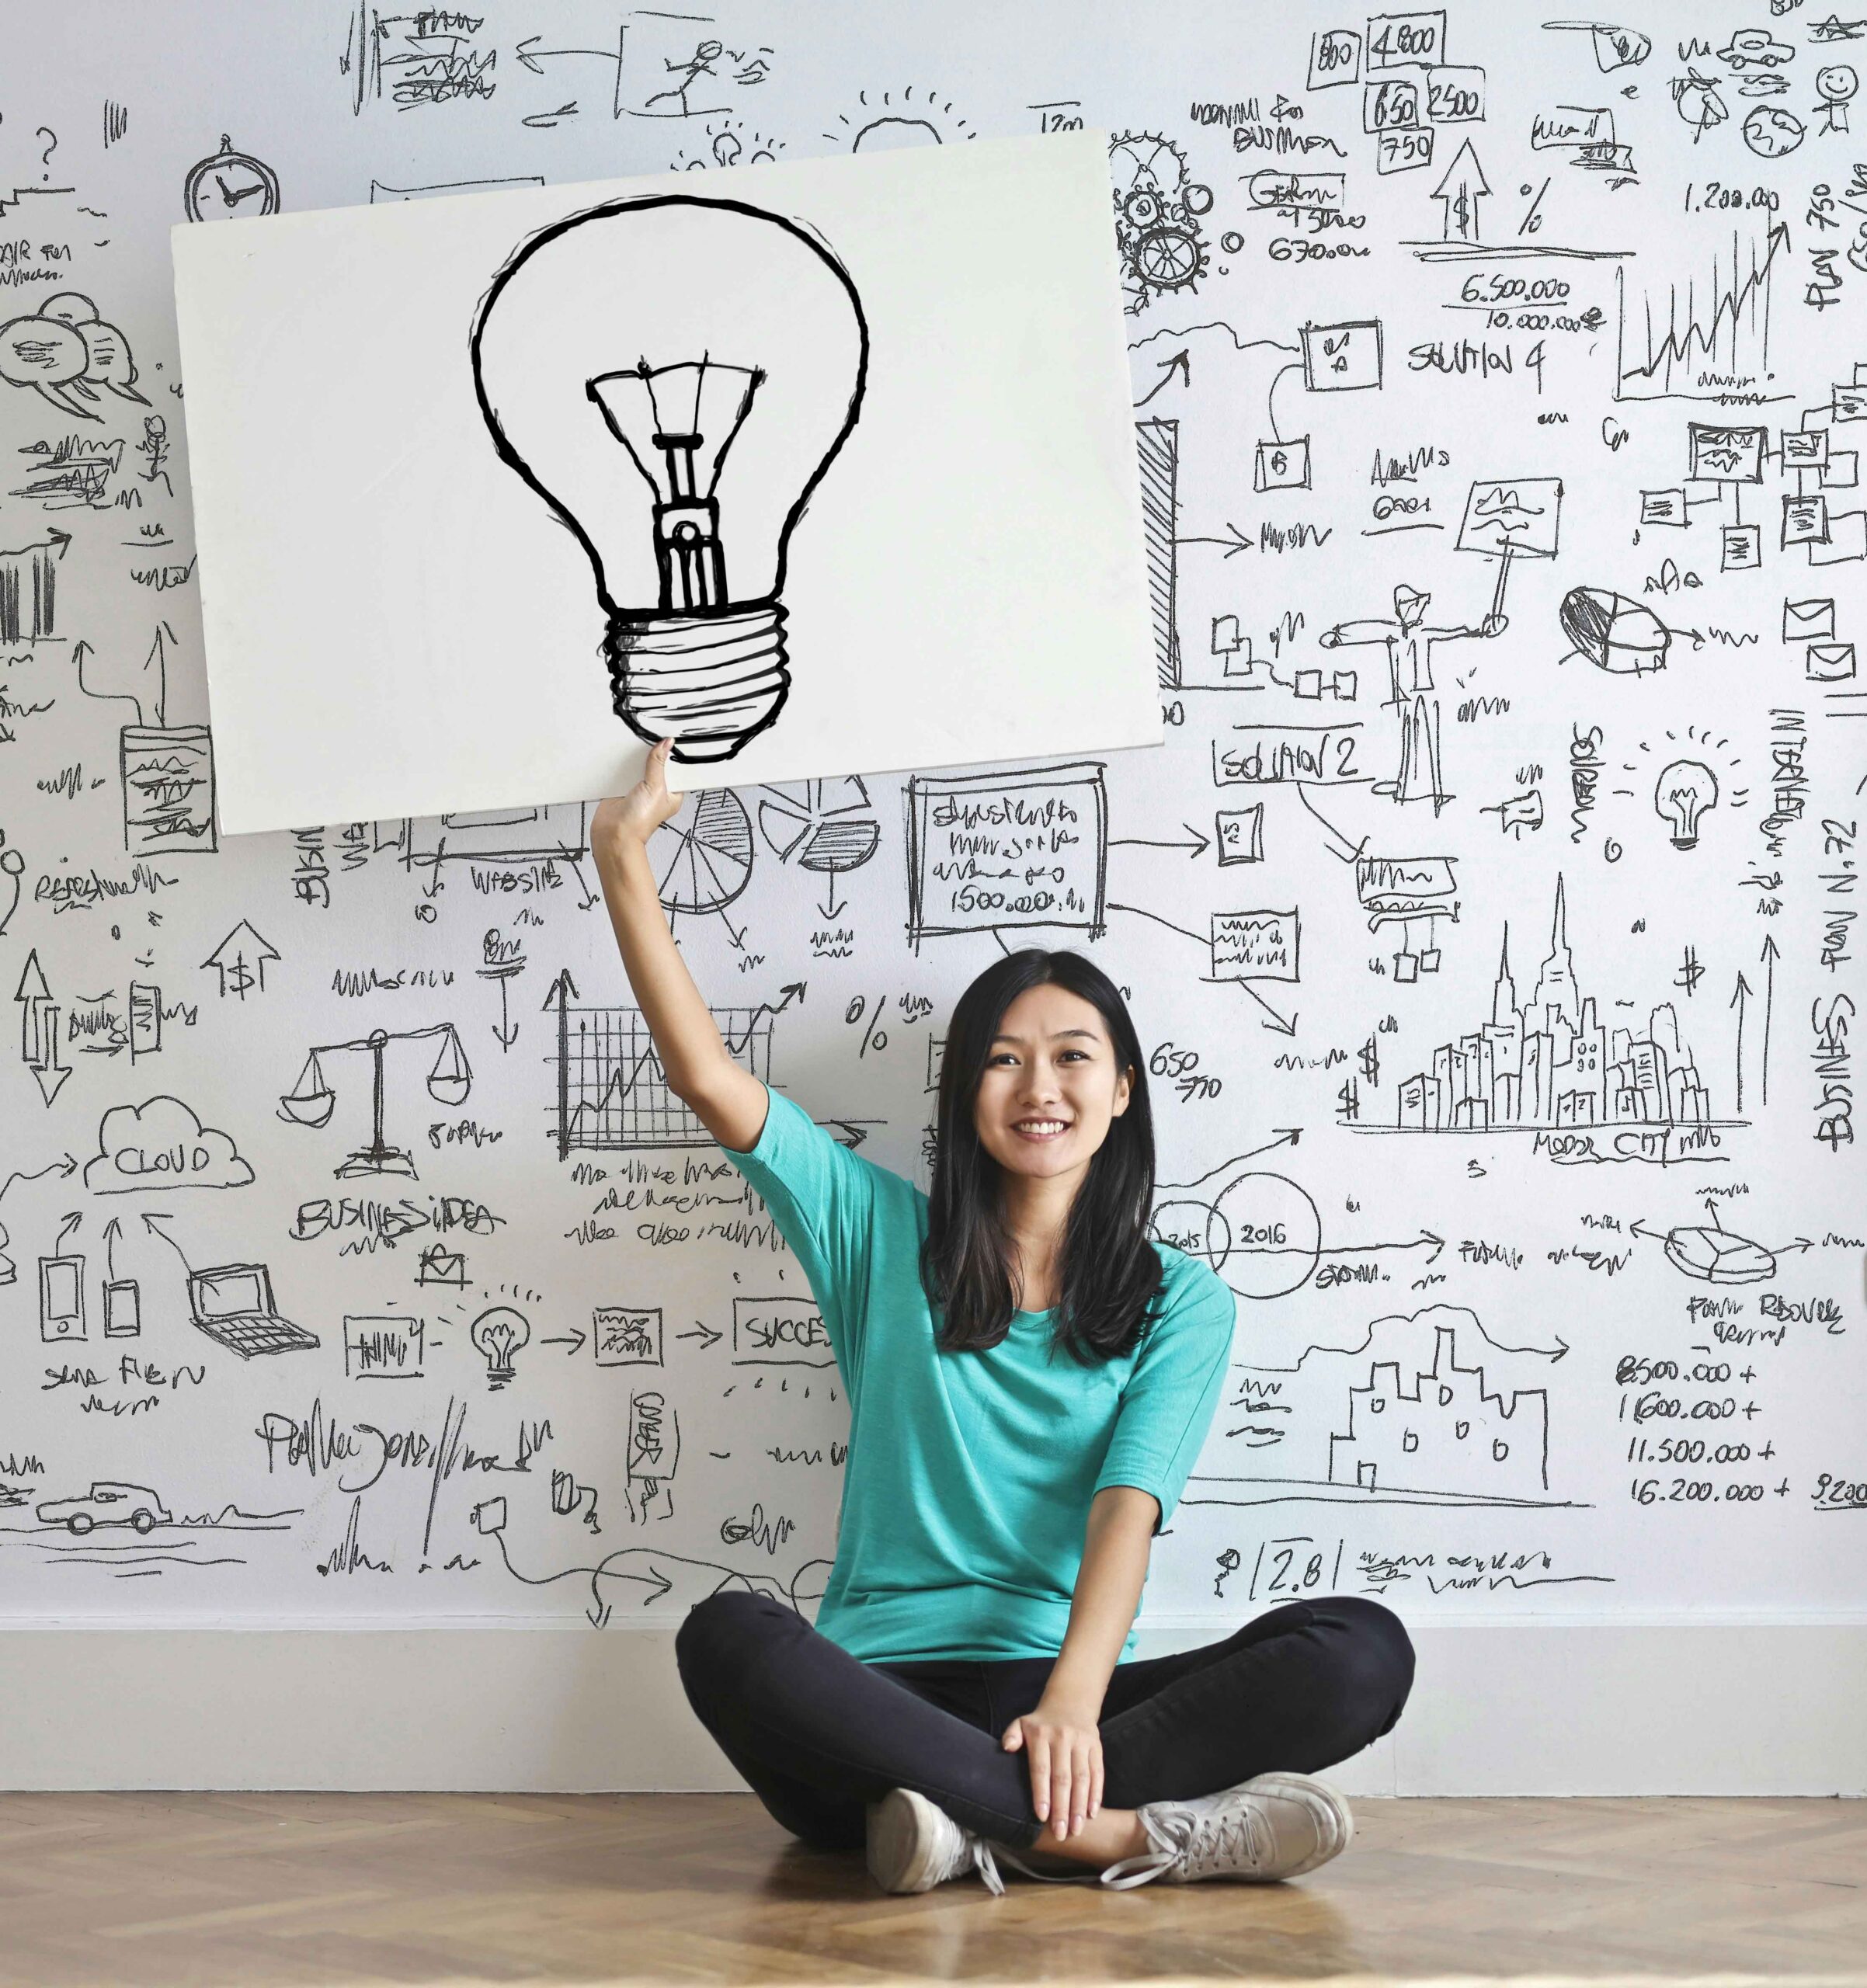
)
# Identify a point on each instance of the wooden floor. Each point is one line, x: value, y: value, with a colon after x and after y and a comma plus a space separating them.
x: 117, y: 1891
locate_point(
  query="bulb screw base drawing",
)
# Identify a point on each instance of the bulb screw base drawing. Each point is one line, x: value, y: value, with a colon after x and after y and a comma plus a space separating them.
x: 709, y: 682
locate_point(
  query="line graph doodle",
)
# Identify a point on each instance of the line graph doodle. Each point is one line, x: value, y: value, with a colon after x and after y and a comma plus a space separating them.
x: 1707, y: 341
x: 613, y: 1093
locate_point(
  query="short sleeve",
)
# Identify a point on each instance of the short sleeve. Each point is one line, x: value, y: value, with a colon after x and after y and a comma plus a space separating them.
x: 1171, y: 1397
x: 821, y: 1197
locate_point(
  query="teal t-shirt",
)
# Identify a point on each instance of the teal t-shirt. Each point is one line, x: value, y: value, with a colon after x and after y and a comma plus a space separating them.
x: 967, y: 1486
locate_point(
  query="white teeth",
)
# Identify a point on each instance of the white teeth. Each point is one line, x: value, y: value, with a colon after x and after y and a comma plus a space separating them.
x: 1041, y: 1124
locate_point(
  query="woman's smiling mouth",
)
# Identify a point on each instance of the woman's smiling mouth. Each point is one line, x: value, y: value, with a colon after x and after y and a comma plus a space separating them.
x: 1038, y: 1130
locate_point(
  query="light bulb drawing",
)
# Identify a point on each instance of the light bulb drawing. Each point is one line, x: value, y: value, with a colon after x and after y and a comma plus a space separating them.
x: 1684, y: 792
x: 311, y: 1102
x: 498, y: 1333
x: 673, y: 376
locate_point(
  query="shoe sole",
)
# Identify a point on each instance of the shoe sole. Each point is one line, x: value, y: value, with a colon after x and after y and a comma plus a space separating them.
x: 1334, y: 1819
x: 903, y: 1843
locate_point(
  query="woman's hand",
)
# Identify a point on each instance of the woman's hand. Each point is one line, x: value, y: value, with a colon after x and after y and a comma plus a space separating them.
x: 643, y: 809
x: 1065, y: 1746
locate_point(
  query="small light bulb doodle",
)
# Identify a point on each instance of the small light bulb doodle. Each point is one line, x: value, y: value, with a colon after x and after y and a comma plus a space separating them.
x: 1684, y: 792
x: 499, y: 1332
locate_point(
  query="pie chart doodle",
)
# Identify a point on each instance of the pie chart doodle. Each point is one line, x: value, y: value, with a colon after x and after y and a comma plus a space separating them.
x: 704, y: 863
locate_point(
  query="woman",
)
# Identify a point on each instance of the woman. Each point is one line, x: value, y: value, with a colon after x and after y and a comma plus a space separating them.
x: 1030, y: 1378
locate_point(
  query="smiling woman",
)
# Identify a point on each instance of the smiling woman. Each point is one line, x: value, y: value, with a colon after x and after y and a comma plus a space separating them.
x: 1045, y: 1180
x: 1031, y: 1375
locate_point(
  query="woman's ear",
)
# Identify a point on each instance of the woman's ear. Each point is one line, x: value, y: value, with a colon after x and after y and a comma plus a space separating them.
x: 1125, y: 1085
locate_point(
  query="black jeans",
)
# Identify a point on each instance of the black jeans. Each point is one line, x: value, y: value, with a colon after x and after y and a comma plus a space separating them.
x: 819, y: 1734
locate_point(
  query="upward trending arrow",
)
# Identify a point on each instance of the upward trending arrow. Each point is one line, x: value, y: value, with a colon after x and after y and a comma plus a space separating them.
x: 1464, y: 181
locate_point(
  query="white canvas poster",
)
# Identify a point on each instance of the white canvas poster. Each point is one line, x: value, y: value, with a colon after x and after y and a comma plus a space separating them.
x: 822, y: 467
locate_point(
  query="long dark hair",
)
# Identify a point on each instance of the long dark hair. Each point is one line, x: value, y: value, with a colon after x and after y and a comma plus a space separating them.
x: 1110, y: 1271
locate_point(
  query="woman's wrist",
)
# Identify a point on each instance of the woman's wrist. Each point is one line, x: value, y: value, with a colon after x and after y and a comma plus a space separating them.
x: 611, y: 849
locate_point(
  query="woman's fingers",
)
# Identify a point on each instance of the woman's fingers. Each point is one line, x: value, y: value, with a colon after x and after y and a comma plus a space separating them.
x: 1060, y: 1780
x: 1066, y: 1772
x: 1039, y: 1749
x: 1076, y: 1785
x: 1065, y: 1776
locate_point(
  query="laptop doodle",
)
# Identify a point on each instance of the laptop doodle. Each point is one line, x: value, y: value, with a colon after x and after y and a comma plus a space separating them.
x: 234, y: 1304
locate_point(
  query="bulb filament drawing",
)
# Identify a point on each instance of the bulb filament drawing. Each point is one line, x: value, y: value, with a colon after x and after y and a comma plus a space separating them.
x: 688, y: 547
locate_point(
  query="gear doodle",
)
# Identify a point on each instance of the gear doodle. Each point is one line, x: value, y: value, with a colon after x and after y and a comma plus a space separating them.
x: 1157, y: 208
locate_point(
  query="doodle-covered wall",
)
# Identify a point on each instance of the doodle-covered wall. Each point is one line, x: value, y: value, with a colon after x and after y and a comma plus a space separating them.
x: 1489, y: 911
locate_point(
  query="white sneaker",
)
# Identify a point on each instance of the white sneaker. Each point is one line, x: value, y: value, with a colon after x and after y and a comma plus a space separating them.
x: 1273, y: 1825
x: 914, y: 1844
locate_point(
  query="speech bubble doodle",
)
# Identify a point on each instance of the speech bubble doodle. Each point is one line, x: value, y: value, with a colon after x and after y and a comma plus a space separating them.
x: 65, y: 348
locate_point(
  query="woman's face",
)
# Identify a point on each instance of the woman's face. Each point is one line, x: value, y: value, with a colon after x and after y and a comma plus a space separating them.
x: 1052, y: 1062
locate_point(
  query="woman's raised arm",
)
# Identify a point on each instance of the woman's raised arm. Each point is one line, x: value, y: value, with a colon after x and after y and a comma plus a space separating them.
x: 727, y: 1098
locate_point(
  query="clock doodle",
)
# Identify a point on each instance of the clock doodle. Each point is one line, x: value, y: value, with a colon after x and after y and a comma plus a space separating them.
x: 229, y: 185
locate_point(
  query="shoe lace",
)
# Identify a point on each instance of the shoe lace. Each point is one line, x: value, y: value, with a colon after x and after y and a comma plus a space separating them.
x: 1171, y: 1833
x: 1223, y: 1840
x: 982, y: 1862
x: 1049, y: 1877
x: 1233, y: 1838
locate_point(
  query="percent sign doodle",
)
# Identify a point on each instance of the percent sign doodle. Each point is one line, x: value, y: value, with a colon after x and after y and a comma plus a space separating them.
x: 874, y: 1033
